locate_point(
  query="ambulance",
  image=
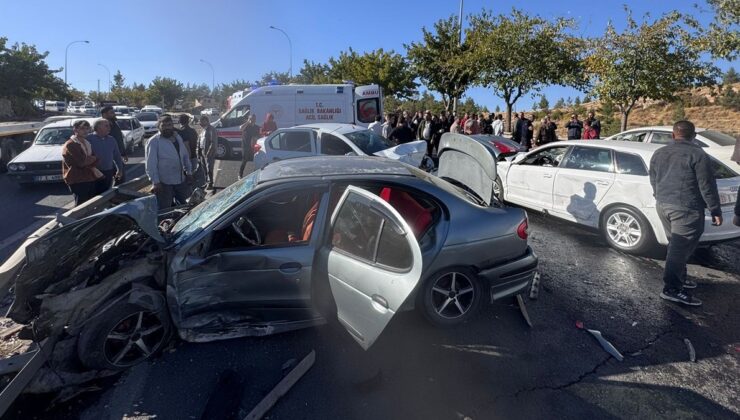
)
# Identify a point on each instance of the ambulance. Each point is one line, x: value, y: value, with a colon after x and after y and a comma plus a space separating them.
x: 293, y: 105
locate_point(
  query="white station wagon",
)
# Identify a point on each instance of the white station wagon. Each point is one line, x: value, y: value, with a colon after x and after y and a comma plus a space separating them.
x: 604, y: 185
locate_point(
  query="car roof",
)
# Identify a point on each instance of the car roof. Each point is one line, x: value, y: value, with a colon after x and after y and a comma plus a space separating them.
x: 322, y: 166
x: 334, y: 127
x: 657, y: 127
x: 646, y: 149
x: 69, y: 122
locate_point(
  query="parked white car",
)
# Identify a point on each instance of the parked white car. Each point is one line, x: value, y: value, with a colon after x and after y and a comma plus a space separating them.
x: 149, y: 121
x: 42, y: 162
x: 716, y: 143
x: 333, y: 139
x: 133, y: 131
x: 604, y: 185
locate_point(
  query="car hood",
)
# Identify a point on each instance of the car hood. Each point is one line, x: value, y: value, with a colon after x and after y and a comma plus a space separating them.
x: 468, y: 163
x: 410, y: 153
x: 52, y: 261
x: 40, y: 153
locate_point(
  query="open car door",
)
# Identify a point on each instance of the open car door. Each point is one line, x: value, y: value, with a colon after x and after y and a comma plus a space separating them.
x: 373, y: 265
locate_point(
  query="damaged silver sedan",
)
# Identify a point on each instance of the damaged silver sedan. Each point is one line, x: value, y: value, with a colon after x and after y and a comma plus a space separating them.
x: 285, y: 248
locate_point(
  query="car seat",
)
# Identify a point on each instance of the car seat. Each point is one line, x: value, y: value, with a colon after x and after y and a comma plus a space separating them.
x: 279, y: 236
x: 417, y: 216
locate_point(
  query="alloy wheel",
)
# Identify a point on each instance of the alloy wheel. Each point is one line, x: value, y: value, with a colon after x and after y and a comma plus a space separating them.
x: 624, y: 229
x: 453, y: 295
x: 134, y: 339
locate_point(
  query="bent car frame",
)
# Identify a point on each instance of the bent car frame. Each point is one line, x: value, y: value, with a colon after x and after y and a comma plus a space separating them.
x: 289, y: 246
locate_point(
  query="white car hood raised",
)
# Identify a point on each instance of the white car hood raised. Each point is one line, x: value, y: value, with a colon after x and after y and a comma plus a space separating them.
x: 40, y: 153
x: 410, y: 153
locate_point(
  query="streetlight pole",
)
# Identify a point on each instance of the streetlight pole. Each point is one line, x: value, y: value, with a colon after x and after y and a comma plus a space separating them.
x: 213, y: 75
x: 106, y: 69
x: 290, y: 44
x: 66, y: 50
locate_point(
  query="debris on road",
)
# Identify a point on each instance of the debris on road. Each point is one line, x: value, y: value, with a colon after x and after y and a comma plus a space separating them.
x: 692, y: 352
x: 523, y: 309
x: 605, y: 344
x: 534, y: 290
x: 282, y: 387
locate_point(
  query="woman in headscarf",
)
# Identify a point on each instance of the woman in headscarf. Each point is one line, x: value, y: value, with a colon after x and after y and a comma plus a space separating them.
x: 269, y: 125
x: 78, y: 164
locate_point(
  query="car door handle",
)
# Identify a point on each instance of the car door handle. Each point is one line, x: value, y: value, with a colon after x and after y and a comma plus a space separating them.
x: 380, y: 303
x: 547, y: 176
x: 291, y: 268
x: 603, y: 183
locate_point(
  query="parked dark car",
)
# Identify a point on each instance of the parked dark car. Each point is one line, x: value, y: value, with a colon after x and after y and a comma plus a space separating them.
x: 300, y: 241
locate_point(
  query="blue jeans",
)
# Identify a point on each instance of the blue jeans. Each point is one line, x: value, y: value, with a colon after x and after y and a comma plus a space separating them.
x: 684, y: 227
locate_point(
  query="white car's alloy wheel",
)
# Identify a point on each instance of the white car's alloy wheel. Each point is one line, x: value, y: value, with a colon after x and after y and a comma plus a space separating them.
x: 624, y: 229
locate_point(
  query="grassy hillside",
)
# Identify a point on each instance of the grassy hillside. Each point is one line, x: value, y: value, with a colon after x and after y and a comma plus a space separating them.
x: 703, y: 106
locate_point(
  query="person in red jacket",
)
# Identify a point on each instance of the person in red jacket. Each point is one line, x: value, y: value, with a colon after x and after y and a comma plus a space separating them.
x: 269, y: 125
x: 588, y: 132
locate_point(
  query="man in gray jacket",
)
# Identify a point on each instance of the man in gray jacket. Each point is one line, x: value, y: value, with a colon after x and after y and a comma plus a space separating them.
x: 683, y: 185
x: 168, y: 165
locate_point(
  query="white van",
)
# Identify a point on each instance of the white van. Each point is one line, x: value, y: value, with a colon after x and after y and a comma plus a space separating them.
x: 293, y: 105
x: 55, y: 106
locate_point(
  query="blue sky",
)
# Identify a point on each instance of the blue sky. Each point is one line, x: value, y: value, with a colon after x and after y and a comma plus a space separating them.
x: 144, y: 39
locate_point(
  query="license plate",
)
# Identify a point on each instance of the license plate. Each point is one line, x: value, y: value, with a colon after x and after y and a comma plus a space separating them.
x: 48, y: 178
x: 727, y: 199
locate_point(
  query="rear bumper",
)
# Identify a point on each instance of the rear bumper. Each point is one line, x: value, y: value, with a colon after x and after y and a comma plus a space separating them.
x: 511, y: 278
x: 726, y: 232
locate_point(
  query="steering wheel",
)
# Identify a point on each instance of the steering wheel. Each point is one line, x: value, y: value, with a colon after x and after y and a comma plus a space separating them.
x: 547, y: 160
x: 238, y: 227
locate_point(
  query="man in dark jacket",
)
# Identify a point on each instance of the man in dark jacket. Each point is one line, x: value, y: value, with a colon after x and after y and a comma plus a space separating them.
x: 595, y: 123
x: 402, y: 133
x: 546, y: 133
x: 190, y: 137
x: 575, y: 128
x: 524, y: 131
x: 109, y: 114
x: 684, y: 185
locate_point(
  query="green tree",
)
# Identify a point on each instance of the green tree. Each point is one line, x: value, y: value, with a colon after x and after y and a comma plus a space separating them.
x: 164, y: 91
x: 609, y: 124
x: 387, y: 69
x: 577, y: 101
x: 118, y: 80
x: 621, y: 73
x: 281, y: 78
x: 560, y: 103
x: 441, y: 62
x: 730, y: 99
x: 313, y: 74
x: 498, y: 108
x: 553, y: 56
x: 730, y: 77
x: 25, y: 76
x: 587, y: 98
x: 678, y: 111
x: 543, y: 104
x: 722, y: 36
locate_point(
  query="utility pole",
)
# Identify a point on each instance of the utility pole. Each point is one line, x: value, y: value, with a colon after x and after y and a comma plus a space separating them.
x: 98, y: 91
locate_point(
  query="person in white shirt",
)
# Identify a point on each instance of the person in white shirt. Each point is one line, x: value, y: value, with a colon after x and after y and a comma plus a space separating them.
x: 498, y: 125
x: 168, y: 165
x: 376, y: 126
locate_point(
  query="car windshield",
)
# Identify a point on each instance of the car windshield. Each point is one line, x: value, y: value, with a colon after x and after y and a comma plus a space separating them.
x: 147, y: 116
x: 206, y: 212
x: 368, y: 141
x: 719, y: 137
x: 49, y: 136
x: 124, y: 124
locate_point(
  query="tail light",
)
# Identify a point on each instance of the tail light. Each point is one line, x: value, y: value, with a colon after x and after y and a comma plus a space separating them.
x: 502, y: 147
x: 256, y: 148
x: 523, y: 229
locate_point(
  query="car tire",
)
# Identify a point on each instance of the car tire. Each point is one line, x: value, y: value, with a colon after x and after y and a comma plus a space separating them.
x: 447, y: 304
x: 626, y: 229
x: 8, y: 151
x: 122, y: 336
x: 223, y: 150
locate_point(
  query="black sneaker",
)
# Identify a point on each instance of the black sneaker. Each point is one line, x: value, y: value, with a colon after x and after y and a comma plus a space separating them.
x: 680, y: 296
x: 689, y: 284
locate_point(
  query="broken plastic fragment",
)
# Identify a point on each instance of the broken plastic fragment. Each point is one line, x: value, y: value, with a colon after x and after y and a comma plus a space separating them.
x: 579, y: 325
x: 607, y: 345
x: 692, y: 352
x: 534, y: 290
x: 523, y: 310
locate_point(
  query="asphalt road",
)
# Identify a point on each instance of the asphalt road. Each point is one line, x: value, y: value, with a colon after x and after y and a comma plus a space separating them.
x: 25, y: 209
x: 492, y: 367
